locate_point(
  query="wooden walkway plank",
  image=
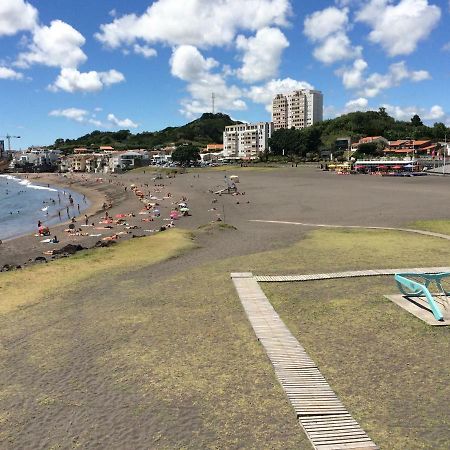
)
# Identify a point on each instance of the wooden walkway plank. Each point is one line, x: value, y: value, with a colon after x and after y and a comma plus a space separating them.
x: 324, y: 418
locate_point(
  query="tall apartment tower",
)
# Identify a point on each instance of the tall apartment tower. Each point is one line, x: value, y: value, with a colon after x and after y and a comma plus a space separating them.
x: 246, y: 140
x: 298, y: 109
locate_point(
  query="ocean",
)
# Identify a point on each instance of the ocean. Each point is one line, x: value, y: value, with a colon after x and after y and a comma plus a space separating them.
x: 23, y: 204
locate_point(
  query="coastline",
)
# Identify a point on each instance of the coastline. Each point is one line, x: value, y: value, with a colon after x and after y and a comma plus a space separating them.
x: 52, y: 185
x: 23, y: 249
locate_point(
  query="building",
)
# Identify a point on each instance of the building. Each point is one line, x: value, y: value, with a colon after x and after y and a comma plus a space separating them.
x: 379, y: 140
x: 412, y: 148
x: 214, y: 148
x: 247, y: 140
x: 298, y: 109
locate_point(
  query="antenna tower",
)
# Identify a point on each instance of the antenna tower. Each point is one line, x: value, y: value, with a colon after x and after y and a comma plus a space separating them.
x: 213, y: 101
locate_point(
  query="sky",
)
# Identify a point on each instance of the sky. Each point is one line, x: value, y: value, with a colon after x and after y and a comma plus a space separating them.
x: 69, y: 67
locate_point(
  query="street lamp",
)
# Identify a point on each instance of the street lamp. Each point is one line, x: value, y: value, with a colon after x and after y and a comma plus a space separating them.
x: 445, y: 151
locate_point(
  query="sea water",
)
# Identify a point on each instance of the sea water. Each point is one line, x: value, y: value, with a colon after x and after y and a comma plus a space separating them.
x: 23, y: 204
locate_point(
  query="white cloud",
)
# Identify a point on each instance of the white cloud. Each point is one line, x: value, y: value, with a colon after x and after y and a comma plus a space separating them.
x: 446, y: 47
x: 188, y: 64
x: 71, y: 80
x: 123, y: 123
x: 436, y: 112
x: 358, y: 104
x: 322, y: 24
x: 85, y: 117
x: 202, y: 23
x: 16, y: 15
x: 354, y: 77
x: 144, y: 50
x: 58, y: 45
x: 264, y: 94
x: 399, y: 28
x: 328, y: 30
x: 76, y: 114
x: 9, y: 74
x: 336, y: 47
x: 261, y: 54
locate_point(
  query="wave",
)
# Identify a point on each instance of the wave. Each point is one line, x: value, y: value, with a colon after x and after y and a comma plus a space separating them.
x: 28, y: 184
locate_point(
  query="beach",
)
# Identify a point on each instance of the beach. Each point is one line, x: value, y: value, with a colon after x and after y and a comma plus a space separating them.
x: 145, y: 344
x: 283, y: 194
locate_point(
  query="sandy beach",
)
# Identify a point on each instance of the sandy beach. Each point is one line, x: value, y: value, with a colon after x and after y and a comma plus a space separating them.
x: 286, y: 194
x: 145, y: 344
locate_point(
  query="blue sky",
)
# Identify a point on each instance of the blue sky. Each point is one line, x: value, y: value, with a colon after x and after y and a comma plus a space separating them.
x: 70, y: 67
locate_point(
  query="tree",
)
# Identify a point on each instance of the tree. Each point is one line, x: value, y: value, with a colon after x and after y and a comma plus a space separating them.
x: 186, y: 154
x: 416, y: 121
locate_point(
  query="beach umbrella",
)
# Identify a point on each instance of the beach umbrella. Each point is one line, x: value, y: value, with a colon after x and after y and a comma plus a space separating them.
x: 397, y: 167
x: 408, y: 166
x: 382, y: 167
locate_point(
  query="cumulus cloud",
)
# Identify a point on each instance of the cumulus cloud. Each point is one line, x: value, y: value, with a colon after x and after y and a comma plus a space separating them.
x: 144, y: 50
x: 188, y: 64
x: 399, y: 28
x: 9, y: 74
x: 261, y: 54
x: 354, y: 77
x: 336, y: 47
x: 201, y: 23
x: 15, y: 16
x: 86, y: 117
x: 321, y: 24
x: 71, y: 80
x: 358, y: 104
x: 264, y: 94
x: 328, y: 30
x: 76, y: 114
x: 122, y: 123
x: 57, y: 45
x: 436, y: 112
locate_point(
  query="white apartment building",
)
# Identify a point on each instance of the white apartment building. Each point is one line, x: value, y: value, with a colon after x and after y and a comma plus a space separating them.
x: 298, y: 109
x: 246, y: 140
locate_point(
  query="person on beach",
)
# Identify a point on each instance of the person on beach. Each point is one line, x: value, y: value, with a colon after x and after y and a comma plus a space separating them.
x: 86, y: 219
x: 59, y: 214
x: 78, y: 207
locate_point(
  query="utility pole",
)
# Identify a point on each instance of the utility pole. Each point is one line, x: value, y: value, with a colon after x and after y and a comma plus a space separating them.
x: 213, y: 101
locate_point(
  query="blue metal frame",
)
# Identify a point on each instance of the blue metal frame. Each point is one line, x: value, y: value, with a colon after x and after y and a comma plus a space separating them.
x: 412, y: 288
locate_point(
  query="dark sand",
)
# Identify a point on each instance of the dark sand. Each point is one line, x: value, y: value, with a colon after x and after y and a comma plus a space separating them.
x: 57, y: 348
x: 302, y: 194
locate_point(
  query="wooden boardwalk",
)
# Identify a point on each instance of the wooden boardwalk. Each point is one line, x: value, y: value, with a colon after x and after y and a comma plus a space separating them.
x: 325, y: 420
x: 349, y: 274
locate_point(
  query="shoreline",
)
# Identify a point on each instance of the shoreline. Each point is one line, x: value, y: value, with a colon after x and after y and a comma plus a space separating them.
x: 50, y: 183
x: 110, y: 196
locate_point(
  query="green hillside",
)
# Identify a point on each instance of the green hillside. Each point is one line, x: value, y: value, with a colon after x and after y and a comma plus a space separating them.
x: 207, y: 129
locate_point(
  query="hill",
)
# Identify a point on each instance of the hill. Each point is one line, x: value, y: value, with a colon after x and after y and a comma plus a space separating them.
x: 205, y: 130
x: 323, y: 135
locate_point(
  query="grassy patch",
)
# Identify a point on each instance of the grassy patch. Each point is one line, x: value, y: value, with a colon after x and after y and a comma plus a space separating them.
x: 25, y: 287
x: 173, y: 363
x: 213, y: 226
x: 437, y: 226
x: 387, y: 367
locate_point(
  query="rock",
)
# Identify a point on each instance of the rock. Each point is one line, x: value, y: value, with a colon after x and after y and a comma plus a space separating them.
x: 40, y: 259
x: 70, y: 249
x: 99, y: 244
x: 6, y: 268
